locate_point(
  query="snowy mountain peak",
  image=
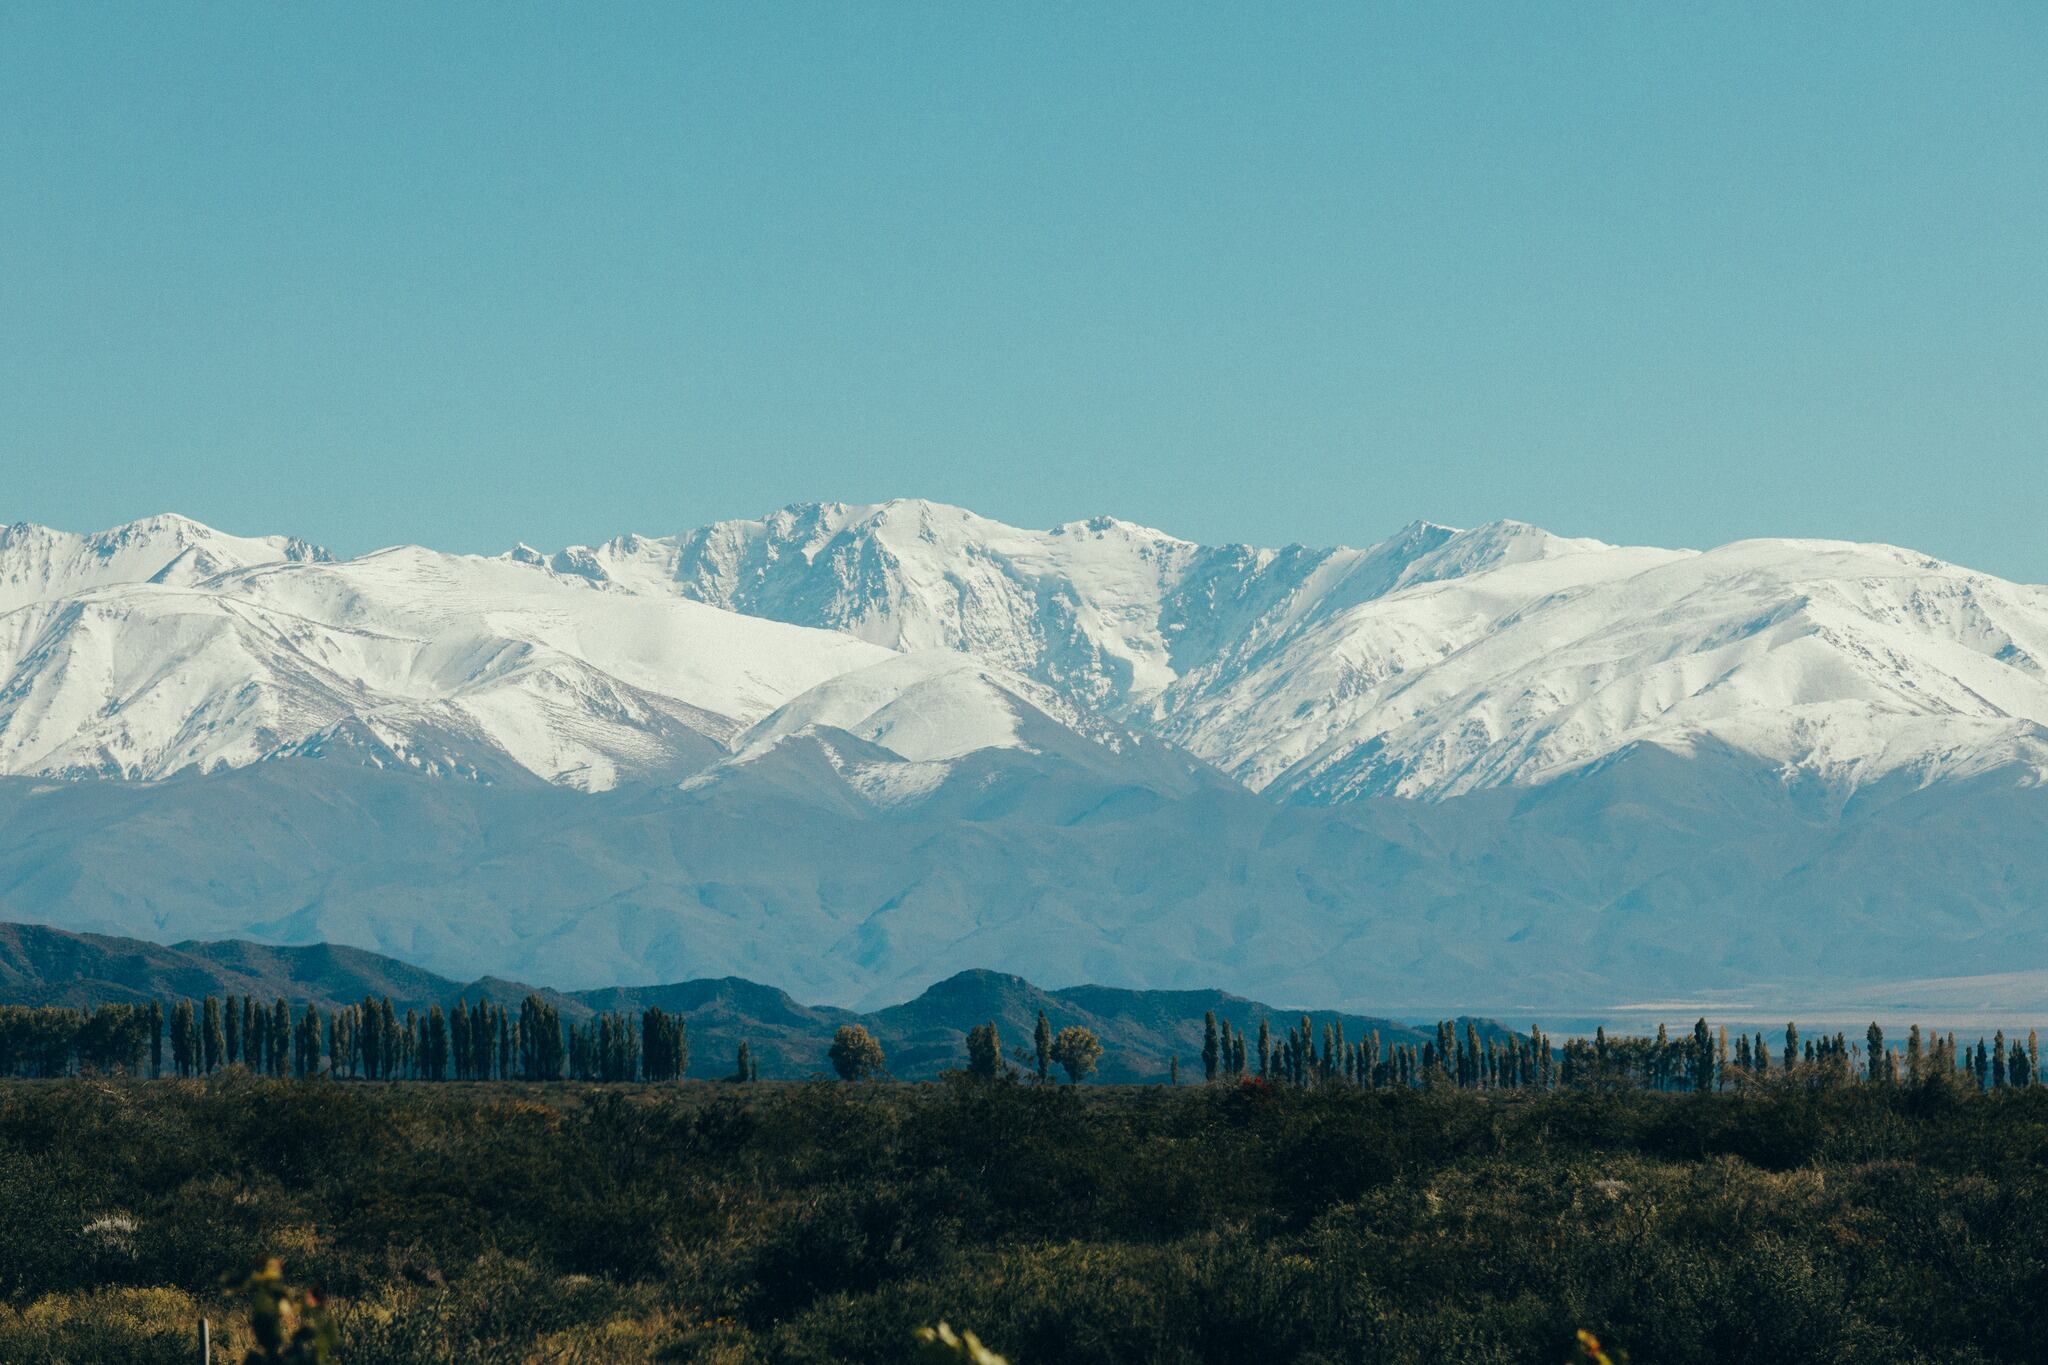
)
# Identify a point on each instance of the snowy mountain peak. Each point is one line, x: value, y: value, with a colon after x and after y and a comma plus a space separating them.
x: 1435, y: 662
x: 39, y: 564
x: 1323, y: 673
x: 1105, y: 526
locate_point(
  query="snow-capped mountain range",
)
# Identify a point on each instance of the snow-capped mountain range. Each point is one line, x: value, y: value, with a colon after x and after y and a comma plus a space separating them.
x: 1434, y: 663
x: 850, y: 749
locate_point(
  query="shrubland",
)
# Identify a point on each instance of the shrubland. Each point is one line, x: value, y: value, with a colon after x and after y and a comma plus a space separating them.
x: 827, y: 1221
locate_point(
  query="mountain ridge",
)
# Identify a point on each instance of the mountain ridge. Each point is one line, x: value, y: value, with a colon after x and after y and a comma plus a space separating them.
x: 1435, y: 662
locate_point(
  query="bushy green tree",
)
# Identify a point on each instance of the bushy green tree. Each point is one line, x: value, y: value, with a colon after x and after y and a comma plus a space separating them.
x: 855, y: 1054
x: 1077, y: 1051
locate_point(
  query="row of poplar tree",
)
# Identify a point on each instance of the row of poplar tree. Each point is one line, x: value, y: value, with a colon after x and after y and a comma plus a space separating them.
x: 1509, y: 1062
x: 1704, y: 1060
x: 479, y: 1040
x: 467, y: 1041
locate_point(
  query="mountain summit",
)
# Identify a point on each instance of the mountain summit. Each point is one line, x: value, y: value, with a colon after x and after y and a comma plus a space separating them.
x: 1436, y: 662
x: 852, y: 748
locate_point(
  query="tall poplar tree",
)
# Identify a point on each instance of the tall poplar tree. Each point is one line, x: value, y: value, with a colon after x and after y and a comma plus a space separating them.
x: 458, y: 1038
x: 306, y: 1049
x: 184, y: 1038
x: 436, y: 1061
x: 212, y: 1041
x: 985, y: 1051
x: 280, y: 1035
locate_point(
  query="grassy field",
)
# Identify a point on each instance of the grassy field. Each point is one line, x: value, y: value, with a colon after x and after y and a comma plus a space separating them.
x: 819, y: 1222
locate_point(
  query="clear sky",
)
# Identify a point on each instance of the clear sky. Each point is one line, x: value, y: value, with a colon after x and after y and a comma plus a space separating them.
x: 471, y: 275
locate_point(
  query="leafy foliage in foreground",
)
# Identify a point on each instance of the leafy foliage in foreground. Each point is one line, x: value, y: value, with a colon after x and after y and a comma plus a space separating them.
x: 828, y: 1222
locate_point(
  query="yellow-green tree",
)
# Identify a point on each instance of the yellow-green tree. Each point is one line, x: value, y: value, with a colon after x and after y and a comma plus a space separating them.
x: 1077, y: 1051
x: 855, y: 1054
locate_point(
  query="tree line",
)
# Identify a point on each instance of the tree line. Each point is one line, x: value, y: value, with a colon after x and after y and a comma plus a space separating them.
x: 1702, y: 1060
x: 480, y: 1041
x: 1517, y: 1061
x: 468, y: 1041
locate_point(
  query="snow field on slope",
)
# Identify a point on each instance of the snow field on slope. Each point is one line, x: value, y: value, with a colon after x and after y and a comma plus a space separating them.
x: 144, y: 680
x: 1434, y: 663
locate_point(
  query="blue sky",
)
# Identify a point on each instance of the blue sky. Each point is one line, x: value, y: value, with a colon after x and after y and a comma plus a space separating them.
x: 471, y: 275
